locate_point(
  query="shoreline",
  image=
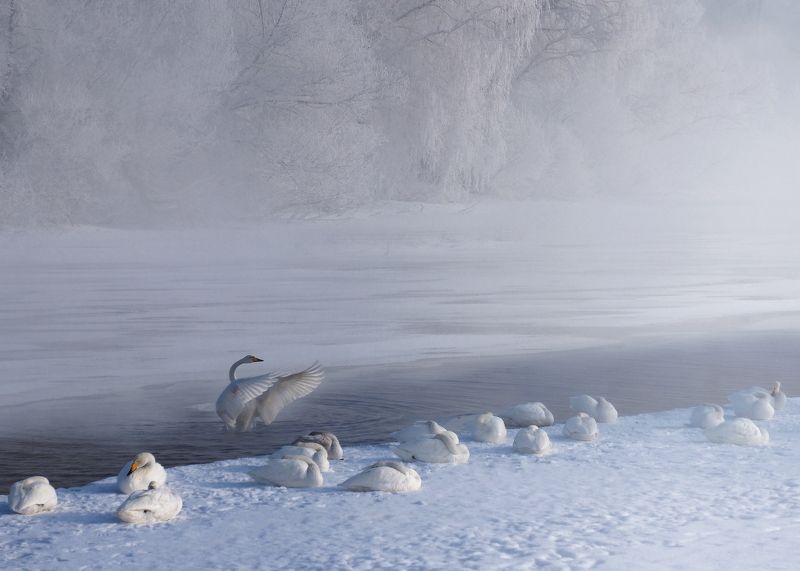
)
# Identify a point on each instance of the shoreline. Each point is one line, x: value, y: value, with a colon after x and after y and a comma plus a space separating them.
x: 650, y: 492
x: 364, y: 404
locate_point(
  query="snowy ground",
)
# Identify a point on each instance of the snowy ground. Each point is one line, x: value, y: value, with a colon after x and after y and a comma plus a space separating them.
x: 88, y: 311
x: 650, y: 494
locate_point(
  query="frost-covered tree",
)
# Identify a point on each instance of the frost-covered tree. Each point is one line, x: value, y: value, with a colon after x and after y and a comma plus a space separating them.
x: 455, y: 61
x: 298, y: 117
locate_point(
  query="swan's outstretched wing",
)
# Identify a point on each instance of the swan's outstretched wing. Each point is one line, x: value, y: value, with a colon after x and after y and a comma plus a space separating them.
x: 234, y: 399
x: 288, y: 389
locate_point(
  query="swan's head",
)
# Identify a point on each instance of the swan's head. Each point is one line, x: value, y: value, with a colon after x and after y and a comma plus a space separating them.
x: 252, y: 359
x: 776, y: 388
x: 141, y: 459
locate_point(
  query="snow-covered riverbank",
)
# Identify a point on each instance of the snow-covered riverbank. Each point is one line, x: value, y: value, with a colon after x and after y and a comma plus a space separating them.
x: 650, y: 494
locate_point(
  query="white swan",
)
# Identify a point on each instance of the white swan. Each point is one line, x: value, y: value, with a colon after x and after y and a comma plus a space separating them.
x: 599, y: 409
x: 442, y: 448
x: 528, y: 414
x: 311, y: 450
x: 156, y: 503
x: 290, y: 471
x: 756, y: 405
x: 581, y: 427
x: 778, y: 396
x: 262, y: 395
x: 532, y: 440
x: 139, y: 472
x: 418, y: 430
x: 740, y: 431
x: 384, y: 476
x: 328, y: 440
x: 32, y: 496
x: 489, y: 428
x: 707, y: 416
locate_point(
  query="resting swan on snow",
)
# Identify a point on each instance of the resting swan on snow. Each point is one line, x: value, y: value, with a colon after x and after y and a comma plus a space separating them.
x: 418, y: 430
x: 32, y: 496
x: 599, y: 409
x: 581, y: 427
x: 327, y: 439
x: 489, y: 428
x: 290, y: 471
x: 707, y: 416
x: 442, y: 448
x: 740, y: 431
x: 532, y: 440
x: 262, y: 395
x: 139, y: 472
x: 528, y: 414
x: 312, y: 450
x: 156, y: 503
x: 384, y: 476
x: 756, y: 405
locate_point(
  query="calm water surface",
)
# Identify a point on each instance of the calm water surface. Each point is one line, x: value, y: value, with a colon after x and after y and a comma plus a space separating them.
x: 75, y: 441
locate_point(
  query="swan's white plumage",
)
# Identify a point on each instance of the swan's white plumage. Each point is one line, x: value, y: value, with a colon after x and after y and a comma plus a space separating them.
x: 707, y: 416
x: 755, y: 404
x: 139, y: 472
x: 583, y: 403
x: 778, y: 397
x: 311, y: 450
x: 32, y: 496
x: 532, y: 440
x: 155, y: 504
x: 581, y: 427
x: 418, y: 430
x: 290, y: 471
x: 384, y: 476
x: 236, y: 406
x: 326, y: 439
x: 739, y: 431
x: 442, y: 448
x: 528, y: 414
x: 263, y: 395
x: 598, y: 408
x: 489, y: 428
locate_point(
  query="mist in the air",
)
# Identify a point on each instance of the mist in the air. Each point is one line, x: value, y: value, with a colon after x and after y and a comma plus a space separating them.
x: 129, y: 114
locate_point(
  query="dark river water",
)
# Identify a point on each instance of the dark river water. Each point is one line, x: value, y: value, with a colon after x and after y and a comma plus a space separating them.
x: 75, y: 441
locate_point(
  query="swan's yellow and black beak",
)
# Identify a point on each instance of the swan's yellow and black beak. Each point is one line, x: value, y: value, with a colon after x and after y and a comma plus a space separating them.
x: 134, y: 466
x: 257, y: 360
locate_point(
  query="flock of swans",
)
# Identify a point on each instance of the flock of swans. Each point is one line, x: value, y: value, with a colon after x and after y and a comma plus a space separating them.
x: 302, y: 463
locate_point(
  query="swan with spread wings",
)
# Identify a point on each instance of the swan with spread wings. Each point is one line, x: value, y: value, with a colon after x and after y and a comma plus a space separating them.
x: 262, y: 396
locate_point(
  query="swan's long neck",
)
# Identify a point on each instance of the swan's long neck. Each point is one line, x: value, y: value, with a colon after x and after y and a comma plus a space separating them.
x: 232, y: 372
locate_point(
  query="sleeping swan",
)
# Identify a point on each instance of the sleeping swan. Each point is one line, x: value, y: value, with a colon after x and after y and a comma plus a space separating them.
x: 418, y: 430
x: 32, y: 496
x: 385, y: 476
x: 139, y: 472
x: 328, y: 440
x: 599, y: 409
x: 489, y: 428
x: 528, y: 414
x: 262, y: 395
x: 289, y: 471
x: 707, y: 416
x: 442, y: 448
x: 740, y: 431
x: 532, y: 440
x: 156, y: 503
x: 581, y: 427
x: 756, y: 405
x: 310, y: 449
